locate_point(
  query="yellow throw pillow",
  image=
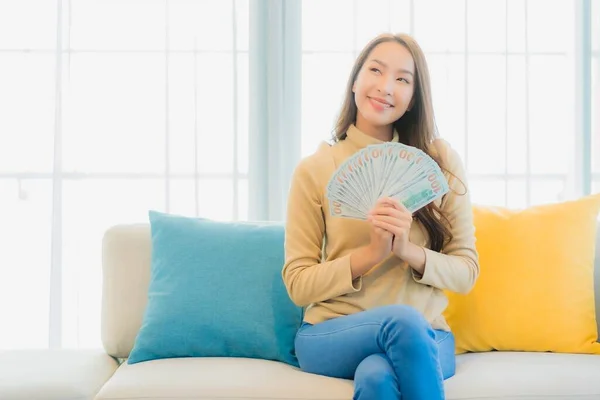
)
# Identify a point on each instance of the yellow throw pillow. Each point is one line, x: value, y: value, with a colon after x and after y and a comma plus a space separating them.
x: 535, y: 291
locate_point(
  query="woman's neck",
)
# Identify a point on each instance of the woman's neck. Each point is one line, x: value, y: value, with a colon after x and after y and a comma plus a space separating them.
x: 383, y: 133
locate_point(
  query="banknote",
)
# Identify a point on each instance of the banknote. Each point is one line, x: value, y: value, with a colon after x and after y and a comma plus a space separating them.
x: 395, y: 170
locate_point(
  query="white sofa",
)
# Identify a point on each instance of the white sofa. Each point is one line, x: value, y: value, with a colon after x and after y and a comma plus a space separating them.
x: 102, y: 374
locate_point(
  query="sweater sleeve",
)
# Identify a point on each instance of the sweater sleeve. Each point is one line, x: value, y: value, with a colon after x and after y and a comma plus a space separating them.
x: 306, y: 278
x: 456, y: 267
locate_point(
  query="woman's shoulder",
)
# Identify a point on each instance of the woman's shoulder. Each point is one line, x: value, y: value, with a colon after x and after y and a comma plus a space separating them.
x: 317, y: 163
x: 451, y: 161
x: 442, y: 150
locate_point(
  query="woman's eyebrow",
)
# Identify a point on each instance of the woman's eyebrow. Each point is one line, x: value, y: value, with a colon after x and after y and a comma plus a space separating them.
x: 400, y: 70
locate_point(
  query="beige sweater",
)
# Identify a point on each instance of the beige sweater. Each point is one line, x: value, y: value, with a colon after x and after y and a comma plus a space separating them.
x: 318, y: 246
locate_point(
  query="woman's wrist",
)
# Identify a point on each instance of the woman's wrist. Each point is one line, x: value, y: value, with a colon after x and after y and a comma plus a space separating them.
x: 415, y: 257
x: 362, y: 260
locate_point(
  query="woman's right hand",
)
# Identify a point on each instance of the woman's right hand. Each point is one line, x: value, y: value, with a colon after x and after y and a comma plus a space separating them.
x: 381, y: 240
x: 378, y: 249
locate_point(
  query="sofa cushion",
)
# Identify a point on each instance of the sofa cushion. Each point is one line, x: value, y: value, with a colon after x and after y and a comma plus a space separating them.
x: 525, y: 376
x: 220, y: 378
x: 54, y: 374
x: 489, y: 376
x: 216, y: 291
x: 535, y: 291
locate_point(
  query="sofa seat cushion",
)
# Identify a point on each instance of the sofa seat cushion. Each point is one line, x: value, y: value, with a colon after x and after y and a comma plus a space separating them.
x: 479, y: 376
x: 220, y: 378
x: 525, y: 376
x: 54, y: 374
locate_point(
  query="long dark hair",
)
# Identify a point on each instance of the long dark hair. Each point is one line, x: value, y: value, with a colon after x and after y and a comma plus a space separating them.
x: 416, y: 127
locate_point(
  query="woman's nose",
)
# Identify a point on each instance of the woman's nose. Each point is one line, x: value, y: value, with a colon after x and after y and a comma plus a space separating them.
x: 385, y: 85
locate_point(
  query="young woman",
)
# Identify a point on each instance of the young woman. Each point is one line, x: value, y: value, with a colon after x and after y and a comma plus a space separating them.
x: 374, y: 289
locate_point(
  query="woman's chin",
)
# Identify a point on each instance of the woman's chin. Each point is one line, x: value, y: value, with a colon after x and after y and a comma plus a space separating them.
x: 377, y: 121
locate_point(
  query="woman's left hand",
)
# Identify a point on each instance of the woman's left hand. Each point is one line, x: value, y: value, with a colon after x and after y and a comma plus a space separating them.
x: 392, y: 216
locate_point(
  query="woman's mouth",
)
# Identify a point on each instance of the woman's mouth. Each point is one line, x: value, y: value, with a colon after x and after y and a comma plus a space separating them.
x: 379, y: 104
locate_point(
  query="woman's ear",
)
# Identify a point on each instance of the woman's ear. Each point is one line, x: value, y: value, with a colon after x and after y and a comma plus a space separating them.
x: 354, y: 87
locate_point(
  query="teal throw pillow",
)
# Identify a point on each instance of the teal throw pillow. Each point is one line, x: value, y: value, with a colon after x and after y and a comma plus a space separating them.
x: 216, y: 291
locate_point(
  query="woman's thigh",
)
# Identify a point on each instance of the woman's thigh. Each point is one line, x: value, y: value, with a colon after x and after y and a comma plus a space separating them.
x: 446, y: 352
x: 335, y: 347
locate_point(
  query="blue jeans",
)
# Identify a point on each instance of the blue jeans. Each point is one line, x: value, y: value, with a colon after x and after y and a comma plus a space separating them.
x: 391, y: 352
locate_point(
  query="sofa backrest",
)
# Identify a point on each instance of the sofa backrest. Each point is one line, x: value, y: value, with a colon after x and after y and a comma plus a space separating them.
x: 126, y: 252
x: 126, y: 276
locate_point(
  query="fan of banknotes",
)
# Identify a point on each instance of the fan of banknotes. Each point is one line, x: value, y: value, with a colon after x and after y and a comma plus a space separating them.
x: 388, y: 169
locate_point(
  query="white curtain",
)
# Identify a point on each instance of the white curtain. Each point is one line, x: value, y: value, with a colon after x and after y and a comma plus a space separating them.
x: 203, y: 107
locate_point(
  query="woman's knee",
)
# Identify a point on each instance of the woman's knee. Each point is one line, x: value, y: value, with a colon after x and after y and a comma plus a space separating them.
x: 406, y: 317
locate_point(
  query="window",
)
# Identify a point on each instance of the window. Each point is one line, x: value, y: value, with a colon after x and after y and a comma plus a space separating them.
x: 502, y: 81
x: 595, y: 107
x: 154, y: 117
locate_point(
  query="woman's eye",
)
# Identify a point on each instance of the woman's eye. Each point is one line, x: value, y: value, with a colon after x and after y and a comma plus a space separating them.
x: 375, y: 70
x: 402, y: 79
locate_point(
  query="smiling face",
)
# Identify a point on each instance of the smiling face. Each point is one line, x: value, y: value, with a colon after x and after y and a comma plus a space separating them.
x: 383, y: 89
